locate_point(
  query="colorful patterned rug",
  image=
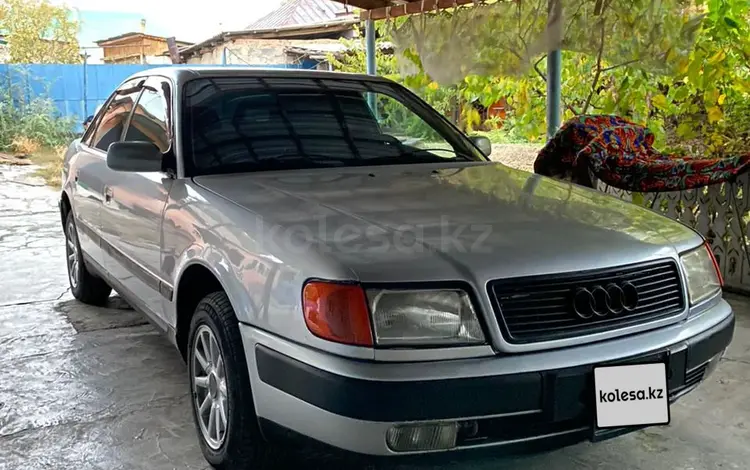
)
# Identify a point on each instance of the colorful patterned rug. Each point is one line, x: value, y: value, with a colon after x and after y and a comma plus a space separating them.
x: 620, y: 153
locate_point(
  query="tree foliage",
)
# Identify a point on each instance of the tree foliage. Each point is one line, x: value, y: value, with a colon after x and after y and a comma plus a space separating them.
x: 39, y: 32
x: 682, y: 69
x: 354, y: 59
x: 698, y: 106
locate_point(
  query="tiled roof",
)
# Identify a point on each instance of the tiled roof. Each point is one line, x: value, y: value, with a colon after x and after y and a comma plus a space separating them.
x: 302, y: 12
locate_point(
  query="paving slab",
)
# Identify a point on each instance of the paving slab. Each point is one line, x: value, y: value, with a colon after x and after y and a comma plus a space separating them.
x: 99, y: 388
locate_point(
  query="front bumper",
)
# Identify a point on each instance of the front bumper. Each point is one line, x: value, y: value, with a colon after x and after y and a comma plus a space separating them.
x: 352, y: 406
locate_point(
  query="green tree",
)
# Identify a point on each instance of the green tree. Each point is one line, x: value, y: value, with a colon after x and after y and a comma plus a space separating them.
x: 39, y: 32
x: 354, y: 58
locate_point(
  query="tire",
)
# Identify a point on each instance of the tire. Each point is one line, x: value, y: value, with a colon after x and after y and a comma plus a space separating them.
x: 241, y: 445
x: 85, y: 286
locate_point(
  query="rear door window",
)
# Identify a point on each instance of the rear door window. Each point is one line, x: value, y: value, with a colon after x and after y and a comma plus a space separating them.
x: 112, y: 124
x: 149, y: 121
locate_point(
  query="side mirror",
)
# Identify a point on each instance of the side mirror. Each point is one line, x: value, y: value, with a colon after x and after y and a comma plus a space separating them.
x: 483, y: 144
x: 134, y: 157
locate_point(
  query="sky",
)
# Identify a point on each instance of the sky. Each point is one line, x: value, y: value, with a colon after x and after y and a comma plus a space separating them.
x: 105, y: 18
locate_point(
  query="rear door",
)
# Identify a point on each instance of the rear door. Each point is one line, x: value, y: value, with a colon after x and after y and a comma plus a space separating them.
x: 90, y: 168
x: 134, y: 205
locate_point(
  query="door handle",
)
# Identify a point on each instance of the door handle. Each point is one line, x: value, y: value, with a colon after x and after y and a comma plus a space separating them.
x: 108, y: 195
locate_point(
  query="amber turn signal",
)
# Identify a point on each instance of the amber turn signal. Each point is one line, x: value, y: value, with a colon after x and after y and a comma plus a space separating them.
x: 337, y: 312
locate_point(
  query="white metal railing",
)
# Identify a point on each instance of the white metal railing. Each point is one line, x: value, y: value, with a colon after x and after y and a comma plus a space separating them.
x: 720, y: 212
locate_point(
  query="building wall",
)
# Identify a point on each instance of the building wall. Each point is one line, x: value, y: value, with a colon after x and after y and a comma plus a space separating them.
x: 158, y: 60
x: 251, y: 51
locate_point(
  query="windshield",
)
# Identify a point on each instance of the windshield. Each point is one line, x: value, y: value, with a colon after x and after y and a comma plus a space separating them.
x: 254, y: 124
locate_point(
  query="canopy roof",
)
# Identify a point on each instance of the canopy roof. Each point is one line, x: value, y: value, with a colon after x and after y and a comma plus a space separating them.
x: 379, y: 9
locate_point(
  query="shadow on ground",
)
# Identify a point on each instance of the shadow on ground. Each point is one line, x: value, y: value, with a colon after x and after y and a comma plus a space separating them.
x: 85, y: 318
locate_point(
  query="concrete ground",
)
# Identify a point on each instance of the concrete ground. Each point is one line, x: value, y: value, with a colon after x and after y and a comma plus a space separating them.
x: 99, y: 388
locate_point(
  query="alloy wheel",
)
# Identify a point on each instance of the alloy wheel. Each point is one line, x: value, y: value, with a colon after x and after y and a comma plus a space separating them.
x: 71, y: 250
x: 209, y: 387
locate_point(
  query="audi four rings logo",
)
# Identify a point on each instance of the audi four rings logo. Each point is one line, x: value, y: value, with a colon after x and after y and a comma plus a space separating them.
x: 603, y: 301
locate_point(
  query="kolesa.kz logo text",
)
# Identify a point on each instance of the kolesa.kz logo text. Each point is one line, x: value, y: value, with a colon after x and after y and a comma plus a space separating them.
x: 631, y: 395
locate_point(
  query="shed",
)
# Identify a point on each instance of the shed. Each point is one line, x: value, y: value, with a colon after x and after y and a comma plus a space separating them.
x: 134, y: 48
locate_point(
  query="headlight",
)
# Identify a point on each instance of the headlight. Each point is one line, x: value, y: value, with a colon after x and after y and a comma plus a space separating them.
x: 424, y: 318
x: 702, y: 274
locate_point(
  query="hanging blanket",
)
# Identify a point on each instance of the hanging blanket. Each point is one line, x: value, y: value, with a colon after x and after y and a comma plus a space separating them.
x: 620, y: 153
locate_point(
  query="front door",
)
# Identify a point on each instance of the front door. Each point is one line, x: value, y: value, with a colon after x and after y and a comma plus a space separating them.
x: 134, y: 205
x: 91, y: 169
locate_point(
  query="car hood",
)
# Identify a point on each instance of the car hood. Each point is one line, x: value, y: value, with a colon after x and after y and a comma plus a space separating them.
x: 467, y: 221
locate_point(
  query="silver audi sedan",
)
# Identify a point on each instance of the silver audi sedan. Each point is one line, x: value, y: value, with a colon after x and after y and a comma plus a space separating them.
x: 337, y: 262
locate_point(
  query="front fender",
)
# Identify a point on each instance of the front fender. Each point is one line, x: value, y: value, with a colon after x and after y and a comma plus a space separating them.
x: 217, y: 262
x: 263, y: 282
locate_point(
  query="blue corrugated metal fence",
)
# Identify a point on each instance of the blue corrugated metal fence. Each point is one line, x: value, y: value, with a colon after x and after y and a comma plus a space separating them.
x: 77, y: 89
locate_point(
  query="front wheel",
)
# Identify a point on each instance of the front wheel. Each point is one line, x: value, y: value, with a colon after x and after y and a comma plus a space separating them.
x: 85, y: 286
x: 222, y: 401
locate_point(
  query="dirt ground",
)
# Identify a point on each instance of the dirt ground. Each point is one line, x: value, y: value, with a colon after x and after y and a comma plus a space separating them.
x: 99, y: 388
x: 519, y: 156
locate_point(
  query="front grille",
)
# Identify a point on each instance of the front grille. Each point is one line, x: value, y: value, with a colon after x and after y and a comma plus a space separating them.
x: 543, y: 308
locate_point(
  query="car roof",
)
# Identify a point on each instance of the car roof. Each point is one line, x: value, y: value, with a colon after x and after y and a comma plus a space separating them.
x: 180, y: 74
